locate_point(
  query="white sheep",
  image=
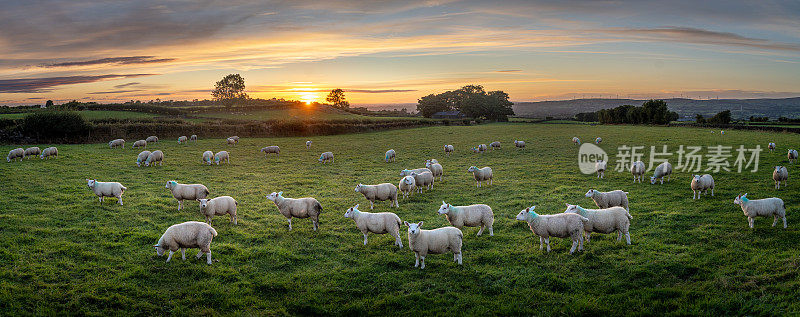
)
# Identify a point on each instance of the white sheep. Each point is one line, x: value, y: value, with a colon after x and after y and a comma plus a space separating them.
x: 182, y: 139
x: 477, y: 215
x: 701, y: 184
x: 480, y: 149
x: 389, y: 156
x: 564, y: 225
x: 495, y: 145
x: 193, y: 138
x: 152, y: 139
x: 771, y: 147
x: 436, y: 168
x: 407, y: 172
x: 325, y: 157
x: 142, y: 157
x: 271, y: 149
x: 116, y: 142
x: 780, y: 174
x: 606, y: 220
x: 222, y: 156
x: 18, y: 153
x: 155, y: 157
x: 600, y: 167
x: 448, y: 148
x: 183, y: 192
x: 406, y: 186
x: 231, y: 141
x: 308, y: 144
x: 519, y: 144
x: 49, y: 152
x: 722, y: 132
x: 662, y: 170
x: 610, y: 199
x: 575, y: 140
x: 235, y: 138
x: 208, y: 157
x: 436, y: 241
x: 424, y: 179
x: 598, y: 140
x: 380, y: 192
x: 219, y: 206
x: 792, y: 155
x: 140, y: 143
x: 306, y: 207
x: 762, y: 207
x: 32, y: 151
x: 106, y: 189
x: 377, y: 223
x: 637, y: 170
x: 190, y: 234
x: 481, y: 175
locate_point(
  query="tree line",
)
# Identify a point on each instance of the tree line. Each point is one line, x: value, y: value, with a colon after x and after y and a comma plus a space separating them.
x: 472, y: 100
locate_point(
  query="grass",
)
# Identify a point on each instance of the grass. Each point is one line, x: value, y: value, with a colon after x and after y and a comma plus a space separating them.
x: 92, y: 114
x: 62, y: 253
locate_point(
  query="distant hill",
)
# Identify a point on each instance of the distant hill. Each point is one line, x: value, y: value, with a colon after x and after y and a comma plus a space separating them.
x: 740, y: 108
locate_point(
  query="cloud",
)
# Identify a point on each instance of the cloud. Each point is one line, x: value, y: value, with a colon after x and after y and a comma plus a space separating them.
x: 38, y: 85
x: 378, y: 91
x: 508, y: 71
x: 113, y: 60
x: 700, y: 36
x: 113, y: 92
x: 126, y: 85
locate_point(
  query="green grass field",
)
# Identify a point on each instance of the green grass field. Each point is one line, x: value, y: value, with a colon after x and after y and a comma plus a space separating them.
x: 92, y: 114
x: 63, y: 253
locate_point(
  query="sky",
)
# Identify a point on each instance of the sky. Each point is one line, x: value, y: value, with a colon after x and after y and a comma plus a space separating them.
x: 388, y: 52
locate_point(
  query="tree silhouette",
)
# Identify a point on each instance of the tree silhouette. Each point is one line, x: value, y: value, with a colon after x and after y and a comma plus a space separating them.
x: 229, y: 90
x: 337, y: 99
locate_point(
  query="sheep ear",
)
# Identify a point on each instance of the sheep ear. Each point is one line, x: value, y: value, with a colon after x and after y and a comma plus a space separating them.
x: 280, y: 193
x: 567, y: 204
x: 357, y: 206
x: 444, y: 203
x: 156, y: 246
x: 419, y: 224
x: 405, y: 223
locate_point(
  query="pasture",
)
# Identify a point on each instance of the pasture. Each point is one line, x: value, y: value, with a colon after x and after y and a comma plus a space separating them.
x: 61, y: 252
x: 90, y: 114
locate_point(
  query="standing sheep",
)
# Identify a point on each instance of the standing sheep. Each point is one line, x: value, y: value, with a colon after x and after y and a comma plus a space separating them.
x: 481, y: 175
x: 230, y: 141
x: 448, y: 148
x: 406, y: 186
x: 792, y: 156
x: 106, y: 189
x: 325, y: 157
x: 49, y: 152
x: 575, y: 140
x: 701, y: 184
x: 117, y: 142
x: 610, y: 199
x: 380, y: 192
x: 424, y: 179
x: 193, y: 138
x: 222, y: 156
x: 219, y: 206
x: 140, y: 143
x: 190, y: 234
x: 390, y: 156
x: 495, y: 145
x: 637, y: 169
x: 155, y: 156
x: 662, y: 170
x: 606, y: 220
x: 771, y: 147
x: 152, y: 139
x: 183, y: 192
x: 271, y: 149
x: 558, y: 225
x: 762, y: 207
x: 208, y: 157
x: 308, y: 144
x: 780, y: 174
x: 435, y: 168
x: 600, y: 167
x: 598, y: 140
x: 142, y: 157
x: 182, y: 139
x: 434, y: 241
x: 306, y: 207
x: 32, y: 151
x: 407, y: 172
x: 18, y: 153
x: 519, y: 144
x: 235, y: 138
x: 478, y: 215
x: 377, y: 223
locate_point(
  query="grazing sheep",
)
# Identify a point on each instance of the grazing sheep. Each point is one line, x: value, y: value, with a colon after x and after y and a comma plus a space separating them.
x: 792, y: 156
x: 662, y: 170
x: 325, y: 157
x: 598, y: 140
x: 377, y: 223
x: 780, y: 174
x: 637, y: 169
x: 235, y: 138
x: 380, y: 192
x: 771, y: 147
x: 576, y: 140
x: 701, y: 184
x: 271, y: 149
x: 433, y: 161
x: 564, y: 225
x: 435, y: 241
x: 140, y: 143
x: 762, y: 207
x: 481, y: 175
x: 606, y: 220
x: 193, y: 138
x: 435, y: 168
x: 308, y: 144
x: 407, y: 172
x: 519, y: 144
x: 424, y: 179
x: 15, y: 153
x: 390, y: 156
x: 117, y: 142
x: 600, y: 167
x: 495, y: 145
x: 722, y: 132
x: 222, y: 156
x: 208, y: 157
x: 448, y: 148
x: 305, y: 207
x: 478, y: 215
x: 190, y: 234
x: 106, y: 189
x: 32, y: 151
x: 183, y: 192
x: 614, y: 198
x: 219, y: 206
x: 406, y: 186
x: 152, y: 139
x: 480, y: 149
x: 155, y: 156
x: 143, y: 155
x: 231, y: 141
x: 182, y: 139
x: 49, y: 152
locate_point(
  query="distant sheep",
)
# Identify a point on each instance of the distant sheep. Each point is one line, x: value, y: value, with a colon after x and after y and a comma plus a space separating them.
x: 235, y: 138
x: 564, y: 225
x: 448, y: 148
x: 18, y: 153
x: 606, y: 220
x: 208, y: 157
x: 637, y: 170
x: 274, y: 149
x: 140, y: 143
x: 193, y: 138
x: 478, y: 215
x: 183, y: 192
x: 495, y: 145
x: 577, y: 141
x: 662, y: 170
x: 792, y: 155
x: 519, y: 144
x: 481, y: 175
x: 308, y: 144
x: 49, y: 152
x: 435, y: 241
x: 182, y: 139
x: 106, y: 189
x: 436, y: 169
x: 325, y: 157
x: 116, y: 143
x: 377, y: 223
x: 155, y: 157
x: 222, y: 156
x: 190, y: 234
x: 306, y: 207
x: 379, y: 192
x: 613, y: 198
x: 142, y: 157
x: 762, y: 208
x: 480, y: 149
x: 771, y: 147
x: 780, y: 174
x: 32, y: 152
x: 406, y: 186
x: 389, y: 156
x: 152, y: 139
x: 231, y: 141
x: 598, y: 140
x: 219, y: 206
x: 600, y: 167
x: 701, y: 184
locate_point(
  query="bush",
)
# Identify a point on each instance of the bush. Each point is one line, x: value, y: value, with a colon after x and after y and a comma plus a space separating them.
x: 52, y: 125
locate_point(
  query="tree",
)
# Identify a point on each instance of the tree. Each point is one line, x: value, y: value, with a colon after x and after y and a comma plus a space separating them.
x: 336, y: 98
x: 472, y: 100
x: 699, y: 118
x: 229, y: 90
x: 723, y: 117
x: 431, y: 104
x: 48, y: 104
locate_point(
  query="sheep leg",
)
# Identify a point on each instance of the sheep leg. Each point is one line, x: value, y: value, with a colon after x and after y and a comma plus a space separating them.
x: 169, y: 257
x: 541, y: 243
x: 712, y: 192
x: 208, y: 257
x: 775, y: 220
x: 199, y: 254
x: 120, y: 200
x: 750, y: 221
x: 491, y: 232
x: 480, y: 231
x: 290, y: 223
x: 397, y: 240
x: 628, y: 238
x: 180, y: 204
x: 422, y: 265
x: 371, y: 206
x: 588, y: 235
x: 316, y: 224
x: 101, y: 200
x: 619, y: 236
x: 784, y: 222
x: 416, y: 255
x: 183, y: 254
x: 547, y: 240
x: 491, y: 181
x: 574, y: 245
x: 365, y: 239
x: 580, y: 242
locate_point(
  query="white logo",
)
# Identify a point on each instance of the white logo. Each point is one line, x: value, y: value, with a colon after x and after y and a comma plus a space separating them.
x: 588, y: 155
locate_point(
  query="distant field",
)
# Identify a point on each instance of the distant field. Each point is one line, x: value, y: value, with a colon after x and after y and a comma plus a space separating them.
x: 62, y: 253
x: 295, y: 114
x: 93, y: 114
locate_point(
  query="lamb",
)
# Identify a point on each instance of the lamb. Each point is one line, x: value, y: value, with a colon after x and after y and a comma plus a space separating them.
x: 190, y: 234
x: 325, y: 157
x: 222, y: 156
x: 435, y: 241
x: 32, y: 151
x: 106, y: 189
x: 231, y: 141
x: 614, y: 198
x: 193, y: 138
x: 380, y: 192
x: 792, y: 156
x: 183, y: 192
x: 15, y: 153
x: 155, y: 156
x: 182, y: 139
x: 480, y: 149
x: 407, y: 172
x: 564, y: 225
x: 49, y: 152
x: 308, y: 144
x: 780, y: 174
x: 448, y: 148
x: 390, y: 156
x: 140, y: 143
x: 575, y: 140
x: 519, y: 144
x: 117, y: 142
x: 637, y: 169
x: 271, y: 149
x: 406, y: 186
x: 600, y: 167
x: 598, y: 140
x: 481, y: 175
x: 701, y: 184
x: 771, y: 147
x: 606, y: 220
x: 478, y: 215
x: 424, y: 179
x: 152, y: 139
x: 662, y: 170
x: 306, y: 207
x: 143, y: 155
x: 377, y: 223
x: 435, y: 168
x: 219, y: 206
x: 762, y: 207
x: 208, y: 157
x: 495, y: 145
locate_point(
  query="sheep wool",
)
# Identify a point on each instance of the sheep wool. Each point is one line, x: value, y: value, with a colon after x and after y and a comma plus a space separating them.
x: 183, y: 192
x: 600, y: 167
x: 576, y: 140
x: 519, y: 144
x: 140, y: 143
x: 701, y: 184
x: 407, y: 172
x: 606, y: 220
x: 637, y: 170
x: 306, y: 207
x: 32, y: 151
x: 49, y: 152
x: 380, y: 192
x: 272, y: 149
x: 190, y: 234
x: 208, y: 157
x: 792, y: 155
x: 106, y: 189
x: 308, y: 144
x: 222, y: 156
x: 182, y: 139
x: 609, y: 199
x: 762, y: 208
x: 771, y: 146
x: 406, y: 186
x: 389, y: 156
x: 325, y: 157
x: 193, y: 138
x: 219, y: 206
x: 155, y: 157
x: 436, y: 241
x: 377, y: 223
x: 436, y: 169
x: 598, y: 140
x: 662, y: 170
x: 564, y: 225
x: 231, y: 141
x: 18, y: 153
x: 478, y: 215
x: 481, y: 175
x: 116, y: 143
x: 448, y: 148
x: 424, y: 179
x: 495, y: 145
x: 152, y: 139
x: 143, y: 155
x: 780, y: 174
